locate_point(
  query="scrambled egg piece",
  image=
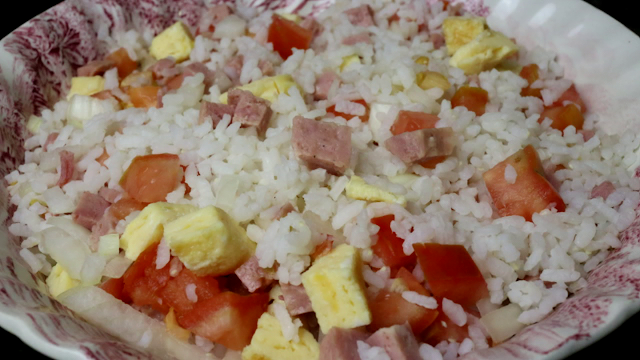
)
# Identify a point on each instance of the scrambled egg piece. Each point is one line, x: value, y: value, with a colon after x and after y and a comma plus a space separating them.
x: 459, y: 31
x: 348, y: 60
x: 358, y: 189
x: 59, y: 281
x: 267, y: 88
x: 483, y: 53
x: 85, y: 85
x: 268, y: 343
x: 404, y: 179
x: 175, y: 41
x: 432, y: 79
x: 291, y: 17
x: 335, y: 286
x: 209, y: 242
x: 148, y: 226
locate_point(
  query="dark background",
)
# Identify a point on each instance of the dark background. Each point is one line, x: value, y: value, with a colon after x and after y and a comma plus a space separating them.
x: 617, y: 344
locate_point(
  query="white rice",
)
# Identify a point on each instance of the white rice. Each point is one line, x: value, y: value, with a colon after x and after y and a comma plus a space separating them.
x: 190, y: 291
x: 510, y: 174
x: 368, y: 352
x: 413, y: 297
x: 163, y: 255
x: 454, y: 312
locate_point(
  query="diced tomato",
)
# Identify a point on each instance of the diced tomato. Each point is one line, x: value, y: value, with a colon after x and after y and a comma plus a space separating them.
x: 451, y: 272
x: 150, y: 178
x: 285, y: 35
x: 408, y: 121
x: 175, y: 82
x: 563, y: 116
x: 444, y: 329
x: 323, y: 248
x: 364, y: 118
x: 531, y: 73
x: 473, y: 98
x: 531, y: 192
x: 389, y: 245
x: 123, y: 62
x: 143, y: 282
x: 175, y: 293
x: 572, y: 95
x: 144, y: 96
x: 389, y: 308
x: 227, y: 318
x: 123, y: 207
x: 412, y: 283
x: 115, y: 287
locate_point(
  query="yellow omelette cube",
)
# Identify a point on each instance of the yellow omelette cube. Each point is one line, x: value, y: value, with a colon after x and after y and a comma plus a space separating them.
x: 267, y: 88
x: 349, y: 60
x: 175, y: 41
x: 209, y: 242
x: 335, y: 286
x: 358, y: 189
x: 483, y: 53
x: 291, y: 17
x: 432, y: 79
x: 59, y: 281
x: 147, y: 228
x: 268, y: 343
x: 458, y: 31
x: 85, y: 85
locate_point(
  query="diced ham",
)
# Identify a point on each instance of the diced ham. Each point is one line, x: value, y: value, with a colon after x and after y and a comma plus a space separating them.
x: 420, y: 145
x: 603, y: 190
x: 212, y: 17
x: 214, y: 111
x: 358, y: 38
x: 250, y: 110
x: 296, y: 299
x: 360, y: 16
x: 284, y: 211
x: 90, y: 209
x: 341, y: 344
x: 310, y: 23
x: 233, y: 68
x: 437, y: 39
x: 67, y: 167
x: 266, y: 67
x: 111, y: 195
x: 104, y: 226
x: 322, y: 144
x: 96, y: 67
x: 587, y: 134
x: 209, y: 75
x: 252, y: 276
x: 164, y: 69
x: 398, y: 341
x: 50, y: 139
x: 323, y: 84
x: 104, y: 95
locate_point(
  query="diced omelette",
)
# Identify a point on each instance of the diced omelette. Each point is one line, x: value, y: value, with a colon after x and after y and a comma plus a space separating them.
x: 335, y: 286
x: 267, y: 88
x: 291, y: 17
x: 147, y: 228
x: 459, y: 31
x: 483, y: 53
x: 59, y: 281
x: 349, y: 60
x: 175, y: 41
x: 358, y: 189
x: 268, y: 343
x: 209, y: 242
x: 85, y: 85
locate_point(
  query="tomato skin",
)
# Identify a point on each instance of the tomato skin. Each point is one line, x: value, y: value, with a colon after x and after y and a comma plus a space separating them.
x: 144, y: 96
x: 227, y: 318
x: 123, y: 207
x: 175, y: 294
x: 531, y: 192
x: 473, y: 98
x: 285, y: 35
x: 412, y: 283
x: 150, y: 178
x: 573, y: 96
x: 531, y: 73
x: 143, y: 282
x: 123, y: 62
x: 563, y: 116
x: 389, y: 308
x: 408, y: 121
x: 332, y: 109
x: 451, y: 272
x: 389, y: 245
x: 115, y: 287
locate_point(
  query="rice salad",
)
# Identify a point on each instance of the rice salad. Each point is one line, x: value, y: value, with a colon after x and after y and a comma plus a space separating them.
x: 388, y: 180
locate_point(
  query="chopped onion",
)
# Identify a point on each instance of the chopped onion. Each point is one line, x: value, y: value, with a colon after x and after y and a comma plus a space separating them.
x: 83, y: 108
x: 109, y: 245
x: 69, y: 251
x: 232, y: 26
x: 204, y: 343
x: 34, y: 123
x: 91, y: 272
x: 116, y: 267
x: 146, y: 338
x: 34, y: 263
x: 57, y: 201
x: 503, y: 323
x: 70, y: 226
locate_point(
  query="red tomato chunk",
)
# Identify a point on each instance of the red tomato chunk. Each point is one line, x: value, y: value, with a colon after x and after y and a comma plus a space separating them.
x: 531, y: 192
x: 573, y: 96
x: 443, y: 329
x: 285, y: 35
x: 123, y: 62
x: 473, y: 98
x: 143, y: 282
x: 563, y: 116
x: 531, y: 73
x: 150, y: 178
x: 389, y: 245
x: 451, y: 272
x: 408, y: 121
x: 389, y: 308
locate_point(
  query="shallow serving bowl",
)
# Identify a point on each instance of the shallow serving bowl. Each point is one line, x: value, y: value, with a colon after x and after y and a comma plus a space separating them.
x: 37, y: 60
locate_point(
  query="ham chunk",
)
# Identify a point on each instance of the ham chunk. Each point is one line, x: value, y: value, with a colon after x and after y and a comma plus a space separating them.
x: 90, y: 210
x: 212, y: 17
x: 214, y: 111
x: 360, y: 16
x: 398, y: 341
x: 341, y: 344
x: 209, y: 75
x: 233, y: 68
x: 437, y: 39
x: 322, y: 144
x: 164, y: 69
x: 104, y: 226
x: 420, y: 145
x: 266, y: 67
x: 323, y: 84
x: 96, y: 67
x: 603, y: 190
x: 111, y: 195
x: 252, y: 276
x: 250, y: 110
x: 311, y: 24
x: 296, y: 299
x: 358, y: 38
x: 67, y: 167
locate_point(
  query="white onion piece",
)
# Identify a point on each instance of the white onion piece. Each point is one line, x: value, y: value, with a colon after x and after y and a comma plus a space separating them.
x: 109, y: 245
x: 70, y: 252
x: 32, y: 260
x: 232, y: 26
x: 485, y: 306
x: 91, y: 272
x: 57, y: 201
x: 116, y: 267
x: 83, y: 108
x: 70, y: 226
x: 503, y: 323
x: 34, y: 123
